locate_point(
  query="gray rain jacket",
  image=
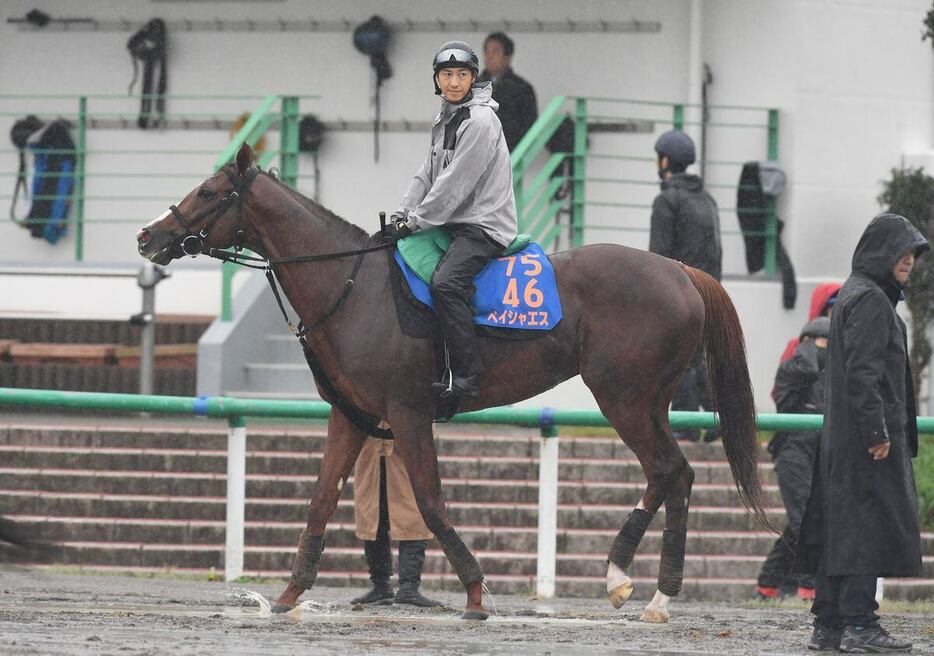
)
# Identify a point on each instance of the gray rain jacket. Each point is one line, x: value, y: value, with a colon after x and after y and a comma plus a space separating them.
x: 467, y: 176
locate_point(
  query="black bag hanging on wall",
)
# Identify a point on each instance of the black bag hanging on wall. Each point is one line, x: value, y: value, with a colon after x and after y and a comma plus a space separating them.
x: 760, y: 183
x: 19, y: 135
x: 149, y: 46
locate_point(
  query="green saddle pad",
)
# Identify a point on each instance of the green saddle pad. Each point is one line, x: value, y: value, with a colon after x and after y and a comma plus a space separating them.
x: 423, y: 250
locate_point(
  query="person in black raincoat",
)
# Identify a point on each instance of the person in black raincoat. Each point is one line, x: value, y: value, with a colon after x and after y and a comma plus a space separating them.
x: 685, y: 226
x: 861, y: 520
x: 799, y: 388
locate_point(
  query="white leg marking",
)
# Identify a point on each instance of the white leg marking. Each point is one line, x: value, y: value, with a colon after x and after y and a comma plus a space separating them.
x: 618, y: 585
x: 657, y: 610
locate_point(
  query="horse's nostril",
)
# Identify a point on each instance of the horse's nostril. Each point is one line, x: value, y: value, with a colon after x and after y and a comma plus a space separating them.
x: 143, y: 236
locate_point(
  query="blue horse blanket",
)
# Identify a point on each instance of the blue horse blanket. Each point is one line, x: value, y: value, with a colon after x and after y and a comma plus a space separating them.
x: 514, y: 291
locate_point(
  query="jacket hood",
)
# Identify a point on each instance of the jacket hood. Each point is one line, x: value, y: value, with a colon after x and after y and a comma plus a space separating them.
x: 687, y: 181
x: 886, y: 239
x: 481, y: 93
x: 819, y: 327
x: 821, y: 295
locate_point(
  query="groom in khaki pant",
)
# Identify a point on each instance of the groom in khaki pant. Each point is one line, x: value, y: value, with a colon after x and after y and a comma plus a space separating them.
x: 384, y: 510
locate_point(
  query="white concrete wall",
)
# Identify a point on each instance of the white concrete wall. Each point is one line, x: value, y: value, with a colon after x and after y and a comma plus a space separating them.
x: 852, y: 79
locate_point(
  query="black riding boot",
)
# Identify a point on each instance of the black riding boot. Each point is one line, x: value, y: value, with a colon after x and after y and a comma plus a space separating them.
x: 451, y: 288
x: 379, y: 561
x: 411, y: 561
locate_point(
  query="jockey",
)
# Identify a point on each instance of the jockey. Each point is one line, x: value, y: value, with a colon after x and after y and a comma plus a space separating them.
x: 465, y: 185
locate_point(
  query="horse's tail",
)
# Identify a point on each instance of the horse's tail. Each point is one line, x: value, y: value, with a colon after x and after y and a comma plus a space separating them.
x: 731, y: 390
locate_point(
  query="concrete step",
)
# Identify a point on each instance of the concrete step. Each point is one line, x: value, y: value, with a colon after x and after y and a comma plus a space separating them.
x: 283, y: 347
x: 587, y: 516
x: 276, y: 377
x: 308, y: 464
x: 300, y: 486
x: 213, y: 436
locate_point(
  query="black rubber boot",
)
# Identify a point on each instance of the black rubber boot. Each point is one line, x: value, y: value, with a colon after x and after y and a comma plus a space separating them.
x: 379, y: 561
x: 377, y: 552
x: 411, y: 561
x: 872, y: 639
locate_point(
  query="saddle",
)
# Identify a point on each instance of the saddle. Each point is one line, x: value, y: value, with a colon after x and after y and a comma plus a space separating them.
x: 516, y: 294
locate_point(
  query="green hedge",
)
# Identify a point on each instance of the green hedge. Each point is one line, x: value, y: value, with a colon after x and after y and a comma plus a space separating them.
x: 924, y: 479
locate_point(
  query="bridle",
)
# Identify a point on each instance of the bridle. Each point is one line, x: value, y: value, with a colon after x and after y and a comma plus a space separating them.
x: 192, y: 242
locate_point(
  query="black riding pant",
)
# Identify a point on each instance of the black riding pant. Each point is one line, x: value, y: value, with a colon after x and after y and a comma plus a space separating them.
x: 452, y: 285
x: 794, y: 467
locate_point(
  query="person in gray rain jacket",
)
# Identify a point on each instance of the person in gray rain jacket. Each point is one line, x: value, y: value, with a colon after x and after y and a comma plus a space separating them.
x: 861, y: 520
x: 464, y: 185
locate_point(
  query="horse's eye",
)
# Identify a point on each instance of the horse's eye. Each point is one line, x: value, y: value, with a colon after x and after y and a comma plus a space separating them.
x: 205, y: 193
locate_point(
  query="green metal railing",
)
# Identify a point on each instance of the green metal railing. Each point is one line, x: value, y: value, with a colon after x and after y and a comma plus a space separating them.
x: 224, y: 407
x: 537, y: 185
x: 547, y: 420
x: 94, y: 112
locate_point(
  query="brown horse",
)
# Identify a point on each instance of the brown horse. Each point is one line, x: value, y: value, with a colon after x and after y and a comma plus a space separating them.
x: 632, y: 321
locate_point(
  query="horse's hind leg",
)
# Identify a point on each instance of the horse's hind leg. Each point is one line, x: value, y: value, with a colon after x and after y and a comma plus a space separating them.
x: 677, y: 501
x: 341, y: 449
x: 642, y: 423
x: 417, y: 448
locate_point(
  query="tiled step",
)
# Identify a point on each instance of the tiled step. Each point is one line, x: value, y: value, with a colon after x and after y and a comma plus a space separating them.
x: 309, y: 463
x: 489, y: 538
x: 213, y: 437
x: 461, y: 513
x: 300, y: 487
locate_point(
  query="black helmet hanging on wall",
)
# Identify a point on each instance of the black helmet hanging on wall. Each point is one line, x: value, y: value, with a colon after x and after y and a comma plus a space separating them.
x: 677, y: 147
x: 454, y: 54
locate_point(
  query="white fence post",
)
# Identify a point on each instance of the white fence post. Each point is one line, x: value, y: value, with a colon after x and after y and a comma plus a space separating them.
x: 547, y: 510
x: 236, y: 499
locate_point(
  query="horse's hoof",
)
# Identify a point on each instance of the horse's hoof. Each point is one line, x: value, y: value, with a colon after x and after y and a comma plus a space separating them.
x: 279, y: 609
x: 620, y: 594
x: 471, y: 614
x: 655, y: 616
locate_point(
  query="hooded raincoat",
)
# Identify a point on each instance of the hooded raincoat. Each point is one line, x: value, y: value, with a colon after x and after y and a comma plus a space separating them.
x: 467, y: 176
x: 863, y: 513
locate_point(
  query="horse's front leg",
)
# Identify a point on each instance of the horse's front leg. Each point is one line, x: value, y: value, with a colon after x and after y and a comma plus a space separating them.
x: 415, y: 443
x: 341, y: 449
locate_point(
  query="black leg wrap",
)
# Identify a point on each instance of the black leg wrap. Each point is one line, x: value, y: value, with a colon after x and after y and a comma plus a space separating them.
x: 671, y: 567
x: 628, y: 539
x: 305, y: 567
x: 463, y: 562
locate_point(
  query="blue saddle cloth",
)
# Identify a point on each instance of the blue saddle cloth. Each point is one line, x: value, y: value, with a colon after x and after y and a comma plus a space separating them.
x: 515, y: 291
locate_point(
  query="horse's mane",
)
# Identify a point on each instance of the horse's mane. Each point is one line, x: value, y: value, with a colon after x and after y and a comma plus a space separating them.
x: 316, y: 208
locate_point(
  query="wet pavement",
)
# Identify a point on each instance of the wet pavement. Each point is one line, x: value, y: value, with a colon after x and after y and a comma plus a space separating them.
x: 54, y: 613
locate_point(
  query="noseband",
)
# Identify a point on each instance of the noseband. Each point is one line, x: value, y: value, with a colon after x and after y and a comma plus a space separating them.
x: 192, y: 242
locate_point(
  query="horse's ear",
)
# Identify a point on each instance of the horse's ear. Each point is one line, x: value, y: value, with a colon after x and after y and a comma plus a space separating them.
x: 244, y: 158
